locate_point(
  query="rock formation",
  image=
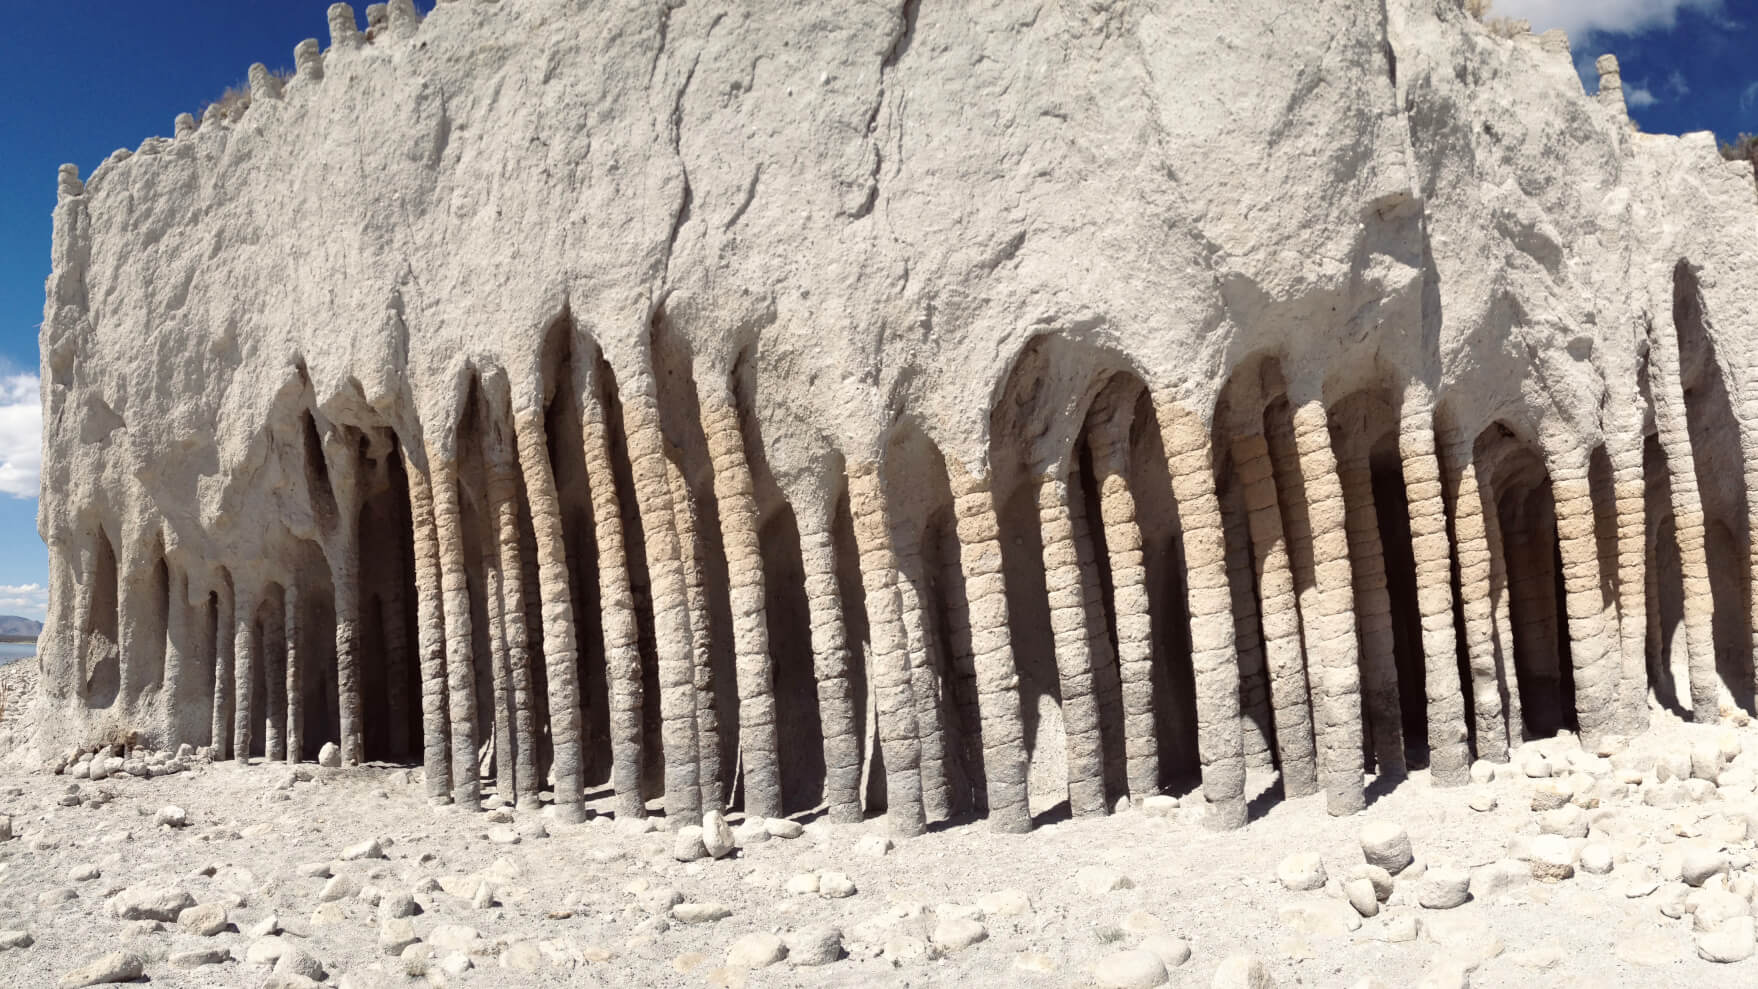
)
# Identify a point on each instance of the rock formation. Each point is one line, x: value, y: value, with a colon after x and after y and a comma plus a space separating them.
x: 911, y: 406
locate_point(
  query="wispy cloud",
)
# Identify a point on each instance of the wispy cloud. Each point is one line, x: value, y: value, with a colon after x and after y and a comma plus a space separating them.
x: 21, y: 434
x: 1676, y: 87
x: 1583, y: 17
x: 24, y: 600
x: 1639, y: 96
x: 1749, y: 97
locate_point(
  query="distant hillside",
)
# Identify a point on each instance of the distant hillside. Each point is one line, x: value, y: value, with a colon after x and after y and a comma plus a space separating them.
x: 14, y: 627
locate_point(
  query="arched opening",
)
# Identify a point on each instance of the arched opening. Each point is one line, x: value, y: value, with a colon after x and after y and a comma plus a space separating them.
x: 101, y: 648
x: 389, y: 675
x: 1526, y: 516
x: 1721, y: 483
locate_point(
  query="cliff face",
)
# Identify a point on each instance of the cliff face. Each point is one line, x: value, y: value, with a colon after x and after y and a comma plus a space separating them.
x: 1061, y: 399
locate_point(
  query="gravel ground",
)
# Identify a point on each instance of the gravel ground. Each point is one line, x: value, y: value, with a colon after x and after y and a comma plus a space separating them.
x: 511, y: 898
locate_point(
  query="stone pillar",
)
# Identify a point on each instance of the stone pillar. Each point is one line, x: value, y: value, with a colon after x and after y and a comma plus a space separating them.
x: 244, y: 663
x: 507, y: 606
x: 1004, y: 758
x: 1334, y: 651
x: 292, y: 627
x: 1633, y: 600
x: 131, y: 590
x: 733, y: 490
x: 1255, y: 722
x: 830, y: 664
x: 1280, y: 617
x: 344, y: 464
x: 460, y: 648
x: 1219, y: 742
x: 1673, y: 429
x: 1595, y: 665
x: 710, y: 782
x: 616, y: 601
x: 1101, y: 656
x: 912, y: 584
x: 177, y: 648
x: 274, y: 664
x: 1501, y: 594
x: 1449, y: 750
x: 1373, y: 614
x: 430, y: 625
x: 224, y: 644
x: 1067, y: 596
x: 507, y: 767
x: 671, y: 619
x: 1132, y: 610
x: 560, y: 652
x: 888, y: 656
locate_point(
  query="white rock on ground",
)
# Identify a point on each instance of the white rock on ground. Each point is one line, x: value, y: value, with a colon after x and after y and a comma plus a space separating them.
x: 813, y: 946
x: 957, y: 933
x: 118, y: 966
x: 1301, y: 872
x: 759, y: 950
x: 1386, y: 845
x: 1133, y: 969
x: 1242, y: 972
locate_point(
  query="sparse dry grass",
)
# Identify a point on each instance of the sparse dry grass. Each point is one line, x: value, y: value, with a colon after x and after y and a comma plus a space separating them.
x: 236, y: 99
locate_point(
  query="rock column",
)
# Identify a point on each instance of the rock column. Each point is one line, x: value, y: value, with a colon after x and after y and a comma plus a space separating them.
x: 274, y: 663
x: 460, y: 636
x: 506, y: 595
x: 1334, y: 651
x: 244, y: 663
x: 1633, y: 601
x: 888, y: 656
x: 691, y: 551
x: 1449, y: 752
x: 733, y: 489
x: 1131, y: 608
x: 508, y: 767
x: 671, y: 619
x: 1279, y: 617
x: 1373, y: 613
x: 830, y: 664
x: 616, y: 601
x: 1067, y: 594
x: 430, y: 627
x: 1004, y: 759
x: 925, y: 681
x: 560, y: 651
x: 1254, y: 700
x: 1595, y: 665
x: 292, y: 628
x: 224, y: 644
x: 1219, y: 741
x: 178, y: 648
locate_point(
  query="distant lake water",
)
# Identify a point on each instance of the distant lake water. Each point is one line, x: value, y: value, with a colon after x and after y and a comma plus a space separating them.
x: 14, y: 651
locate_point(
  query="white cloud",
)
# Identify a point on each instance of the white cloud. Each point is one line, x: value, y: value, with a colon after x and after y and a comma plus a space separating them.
x: 1749, y: 97
x: 21, y: 435
x: 1676, y: 85
x: 1582, y: 17
x: 1639, y: 96
x: 24, y: 600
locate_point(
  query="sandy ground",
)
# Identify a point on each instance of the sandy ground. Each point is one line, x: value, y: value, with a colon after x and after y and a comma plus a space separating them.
x: 590, y: 904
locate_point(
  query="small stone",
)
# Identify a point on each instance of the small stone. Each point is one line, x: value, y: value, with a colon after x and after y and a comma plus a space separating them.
x: 781, y: 827
x: 1323, y: 917
x: 1160, y: 805
x: 1036, y: 962
x: 717, y: 837
x: 1135, y: 969
x: 171, y: 817
x: 700, y: 913
x: 5, y: 828
x: 1550, y: 794
x: 1140, y: 922
x: 1535, y: 767
x: 315, y: 870
x: 1552, y: 859
x: 83, y: 873
x: 339, y: 888
x: 1380, y: 878
x: 957, y: 933
x: 454, y: 938
x: 1673, y: 765
x: 203, y: 920
x: 330, y: 756
x: 1362, y: 897
x: 396, y: 934
x: 1242, y: 972
x: 813, y: 946
x: 266, y: 927
x: 1005, y: 903
x: 1301, y: 872
x: 150, y: 903
x: 759, y: 950
x: 1482, y: 801
x: 1596, y: 858
x: 1732, y: 941
x: 15, y: 940
x: 395, y: 905
x: 804, y: 884
x: 368, y: 849
x: 1696, y: 865
x: 522, y: 956
x: 294, y: 961
x: 688, y: 845
x: 483, y: 898
x: 1568, y: 821
x: 751, y: 831
x: 503, y: 836
x: 1172, y: 951
x: 835, y: 886
x: 200, y: 957
x: 1706, y: 761
x: 873, y: 845
x: 119, y: 966
x: 1096, y: 880
x: 1483, y: 772
x: 1386, y: 845
x: 265, y: 951
x: 1399, y: 929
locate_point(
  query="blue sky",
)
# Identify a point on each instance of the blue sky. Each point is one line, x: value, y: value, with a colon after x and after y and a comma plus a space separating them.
x: 80, y: 78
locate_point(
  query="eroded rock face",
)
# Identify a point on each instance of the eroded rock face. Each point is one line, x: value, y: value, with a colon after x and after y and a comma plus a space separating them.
x: 986, y: 359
